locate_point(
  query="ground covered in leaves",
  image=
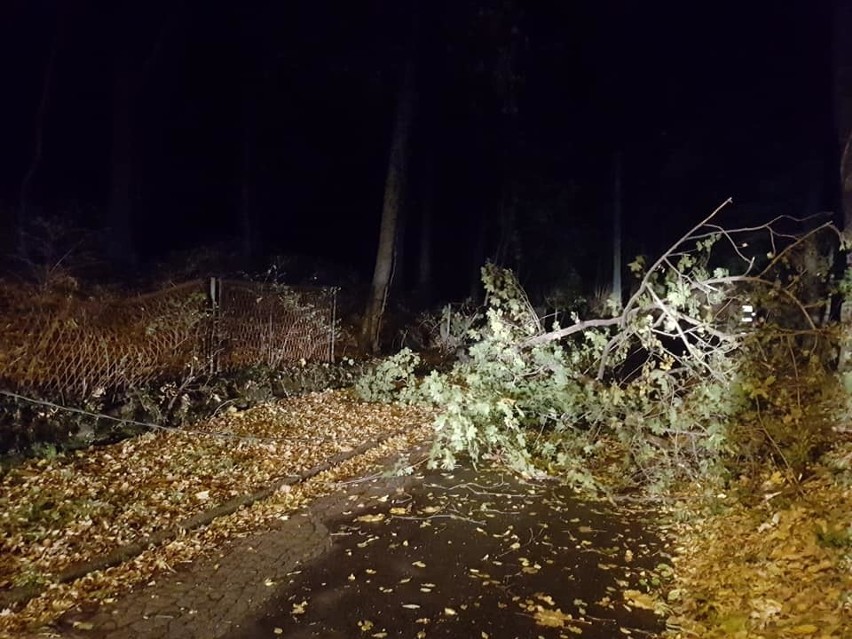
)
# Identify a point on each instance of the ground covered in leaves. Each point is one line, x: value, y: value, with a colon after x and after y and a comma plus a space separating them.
x: 771, y: 560
x: 62, y: 512
x: 474, y: 552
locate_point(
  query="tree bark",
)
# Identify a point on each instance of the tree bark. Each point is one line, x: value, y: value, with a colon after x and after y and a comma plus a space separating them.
x: 398, y: 282
x: 424, y: 261
x: 479, y: 247
x: 130, y: 74
x: 120, y: 249
x: 394, y: 190
x: 424, y: 196
x: 507, y: 79
x: 842, y: 52
x: 25, y: 195
x: 617, y: 200
x: 248, y: 232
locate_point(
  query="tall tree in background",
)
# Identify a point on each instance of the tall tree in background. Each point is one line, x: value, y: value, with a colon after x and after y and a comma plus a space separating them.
x: 130, y: 72
x: 119, y: 214
x: 426, y: 203
x: 24, y: 211
x: 258, y: 48
x: 495, y: 46
x: 507, y: 78
x: 248, y: 232
x: 617, y: 202
x: 393, y: 199
x: 842, y: 51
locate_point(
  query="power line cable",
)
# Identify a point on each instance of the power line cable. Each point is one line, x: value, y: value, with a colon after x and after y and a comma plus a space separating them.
x: 189, y: 431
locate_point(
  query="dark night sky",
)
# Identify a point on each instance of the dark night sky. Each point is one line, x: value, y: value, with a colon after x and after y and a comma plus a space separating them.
x: 703, y: 101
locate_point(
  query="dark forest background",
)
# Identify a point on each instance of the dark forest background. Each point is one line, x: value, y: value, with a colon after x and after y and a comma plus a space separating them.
x: 265, y: 127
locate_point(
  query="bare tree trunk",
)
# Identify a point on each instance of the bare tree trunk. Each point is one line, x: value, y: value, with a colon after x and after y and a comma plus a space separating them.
x: 480, y: 242
x: 120, y: 248
x: 508, y: 253
x: 394, y: 190
x: 617, y: 200
x: 130, y: 74
x: 842, y: 50
x: 425, y: 198
x: 507, y: 78
x: 424, y: 261
x: 247, y: 227
x: 398, y: 282
x: 24, y: 198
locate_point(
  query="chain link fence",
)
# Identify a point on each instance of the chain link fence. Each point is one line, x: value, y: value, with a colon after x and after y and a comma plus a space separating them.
x: 77, y: 348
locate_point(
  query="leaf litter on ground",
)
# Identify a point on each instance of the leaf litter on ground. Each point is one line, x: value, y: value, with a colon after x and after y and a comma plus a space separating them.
x: 781, y: 568
x: 776, y: 568
x: 73, y: 508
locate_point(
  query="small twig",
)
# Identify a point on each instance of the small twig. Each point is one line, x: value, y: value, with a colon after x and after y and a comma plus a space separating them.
x: 250, y: 439
x: 440, y: 516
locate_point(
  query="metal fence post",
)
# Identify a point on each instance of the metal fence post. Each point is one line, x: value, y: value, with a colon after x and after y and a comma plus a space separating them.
x: 214, y: 296
x: 333, y: 324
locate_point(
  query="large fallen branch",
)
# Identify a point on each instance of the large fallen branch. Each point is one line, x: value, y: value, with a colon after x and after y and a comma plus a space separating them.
x: 663, y: 312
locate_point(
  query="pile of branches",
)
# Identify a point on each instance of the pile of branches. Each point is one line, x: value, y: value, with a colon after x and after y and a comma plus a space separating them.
x: 723, y: 354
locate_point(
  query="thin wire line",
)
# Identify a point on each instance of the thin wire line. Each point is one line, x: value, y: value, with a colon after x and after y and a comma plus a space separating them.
x: 188, y: 431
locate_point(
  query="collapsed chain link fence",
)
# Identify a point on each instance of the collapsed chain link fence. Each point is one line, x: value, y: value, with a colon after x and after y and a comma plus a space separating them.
x: 83, y: 348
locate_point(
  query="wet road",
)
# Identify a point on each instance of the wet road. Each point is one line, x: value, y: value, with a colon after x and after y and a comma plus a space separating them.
x: 469, y: 554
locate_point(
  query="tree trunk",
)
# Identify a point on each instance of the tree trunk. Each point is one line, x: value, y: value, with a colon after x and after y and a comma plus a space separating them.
x: 394, y: 190
x: 398, y: 281
x: 24, y: 199
x: 248, y: 232
x: 508, y: 253
x: 842, y: 51
x: 507, y: 78
x: 130, y: 74
x: 617, y: 200
x: 424, y: 258
x: 480, y: 243
x: 120, y: 248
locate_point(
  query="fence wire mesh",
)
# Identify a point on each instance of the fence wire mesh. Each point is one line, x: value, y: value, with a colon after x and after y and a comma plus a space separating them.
x: 82, y: 348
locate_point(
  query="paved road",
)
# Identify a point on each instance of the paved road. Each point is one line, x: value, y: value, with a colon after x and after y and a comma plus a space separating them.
x: 462, y: 554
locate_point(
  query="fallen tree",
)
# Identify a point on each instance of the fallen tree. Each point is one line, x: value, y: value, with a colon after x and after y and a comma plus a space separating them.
x: 675, y: 382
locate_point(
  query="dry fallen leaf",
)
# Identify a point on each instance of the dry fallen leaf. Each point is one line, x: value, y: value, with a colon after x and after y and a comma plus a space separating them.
x: 146, y: 484
x: 545, y: 598
x: 639, y: 599
x: 371, y: 519
x: 765, y: 568
x: 804, y: 629
x: 551, y: 618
